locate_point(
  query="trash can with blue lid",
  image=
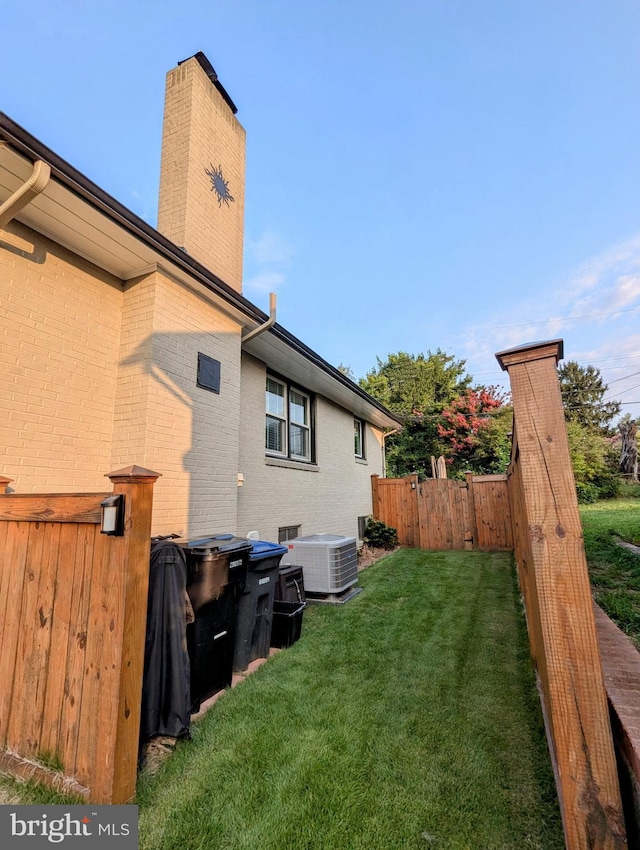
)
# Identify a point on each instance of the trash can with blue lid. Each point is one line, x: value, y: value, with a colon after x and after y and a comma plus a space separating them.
x: 255, y: 610
x: 216, y: 576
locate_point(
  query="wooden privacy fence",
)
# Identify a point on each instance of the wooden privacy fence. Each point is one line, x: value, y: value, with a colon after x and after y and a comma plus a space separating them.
x: 442, y: 513
x: 555, y: 585
x: 72, y: 632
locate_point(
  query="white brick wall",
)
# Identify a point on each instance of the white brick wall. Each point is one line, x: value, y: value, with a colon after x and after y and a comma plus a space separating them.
x: 97, y: 375
x: 59, y: 340
x: 187, y: 433
x: 326, y: 498
x: 201, y: 131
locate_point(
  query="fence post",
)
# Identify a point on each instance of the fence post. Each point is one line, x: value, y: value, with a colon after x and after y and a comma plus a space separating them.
x: 375, y: 497
x: 471, y: 506
x: 411, y: 529
x: 131, y: 560
x: 568, y: 659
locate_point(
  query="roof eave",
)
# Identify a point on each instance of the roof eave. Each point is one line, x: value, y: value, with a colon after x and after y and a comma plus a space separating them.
x: 166, y: 252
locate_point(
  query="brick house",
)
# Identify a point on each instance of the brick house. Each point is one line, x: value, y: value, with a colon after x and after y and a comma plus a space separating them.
x: 124, y: 344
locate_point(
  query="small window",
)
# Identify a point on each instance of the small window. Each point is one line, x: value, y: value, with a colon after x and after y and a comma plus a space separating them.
x: 288, y: 421
x: 363, y: 521
x: 358, y: 438
x: 288, y: 532
x: 276, y: 420
x: 299, y: 429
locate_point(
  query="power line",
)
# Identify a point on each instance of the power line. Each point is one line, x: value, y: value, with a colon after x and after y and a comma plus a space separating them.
x: 622, y: 357
x: 627, y: 390
x: 564, y: 319
x: 624, y: 378
x: 496, y: 411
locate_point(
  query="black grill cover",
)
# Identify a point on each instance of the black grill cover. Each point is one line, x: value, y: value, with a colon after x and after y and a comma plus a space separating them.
x: 166, y: 700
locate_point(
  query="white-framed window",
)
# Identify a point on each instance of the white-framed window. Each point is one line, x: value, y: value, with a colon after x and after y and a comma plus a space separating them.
x: 358, y: 438
x: 288, y: 421
x: 276, y: 430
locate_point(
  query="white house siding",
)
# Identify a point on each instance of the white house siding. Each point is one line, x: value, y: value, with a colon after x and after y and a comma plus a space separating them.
x: 326, y: 497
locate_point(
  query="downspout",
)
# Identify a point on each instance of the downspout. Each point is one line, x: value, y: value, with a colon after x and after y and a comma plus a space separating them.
x: 26, y: 193
x: 384, y: 448
x: 268, y: 324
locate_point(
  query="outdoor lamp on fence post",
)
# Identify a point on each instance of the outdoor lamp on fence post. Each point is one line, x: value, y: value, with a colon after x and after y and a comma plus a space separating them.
x: 112, y: 515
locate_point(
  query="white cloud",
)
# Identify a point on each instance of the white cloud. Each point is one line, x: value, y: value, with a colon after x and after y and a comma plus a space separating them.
x: 590, y: 275
x: 593, y: 311
x: 626, y: 291
x: 613, y: 349
x: 267, y: 260
x: 270, y: 249
x: 265, y: 282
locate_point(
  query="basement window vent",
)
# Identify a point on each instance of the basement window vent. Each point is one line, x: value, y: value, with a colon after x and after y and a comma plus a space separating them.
x: 363, y: 521
x: 288, y: 532
x: 208, y: 373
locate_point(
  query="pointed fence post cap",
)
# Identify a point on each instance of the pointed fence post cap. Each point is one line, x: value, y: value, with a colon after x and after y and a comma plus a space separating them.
x: 531, y: 351
x: 4, y: 483
x: 134, y: 472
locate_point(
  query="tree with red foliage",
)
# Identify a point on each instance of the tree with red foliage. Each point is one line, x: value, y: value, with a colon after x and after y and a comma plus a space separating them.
x: 474, y: 430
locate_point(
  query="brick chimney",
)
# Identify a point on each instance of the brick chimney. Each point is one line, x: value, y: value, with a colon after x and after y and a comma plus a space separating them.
x: 202, y: 171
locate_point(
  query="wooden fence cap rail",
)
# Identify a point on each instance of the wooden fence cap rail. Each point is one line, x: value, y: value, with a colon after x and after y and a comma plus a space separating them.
x: 134, y: 471
x: 531, y: 351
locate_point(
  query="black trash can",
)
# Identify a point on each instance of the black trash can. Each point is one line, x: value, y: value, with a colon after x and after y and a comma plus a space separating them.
x: 216, y: 575
x: 255, y: 612
x: 166, y: 701
x: 290, y: 586
x: 288, y: 606
x: 287, y: 623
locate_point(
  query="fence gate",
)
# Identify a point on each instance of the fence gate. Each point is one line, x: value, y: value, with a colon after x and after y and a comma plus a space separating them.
x: 72, y: 630
x: 443, y: 513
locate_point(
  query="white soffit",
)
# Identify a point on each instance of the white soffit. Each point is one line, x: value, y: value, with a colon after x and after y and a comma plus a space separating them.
x: 294, y: 366
x: 67, y: 219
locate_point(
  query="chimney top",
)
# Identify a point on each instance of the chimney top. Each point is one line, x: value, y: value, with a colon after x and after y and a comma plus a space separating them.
x: 210, y: 71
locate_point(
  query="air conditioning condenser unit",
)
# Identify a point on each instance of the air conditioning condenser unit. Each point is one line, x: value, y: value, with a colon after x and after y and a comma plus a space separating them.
x: 329, y: 561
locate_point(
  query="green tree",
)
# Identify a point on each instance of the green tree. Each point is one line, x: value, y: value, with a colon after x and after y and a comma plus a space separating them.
x: 411, y: 449
x: 583, y: 392
x: 417, y: 387
x: 594, y: 460
x: 411, y: 384
x: 347, y: 371
x: 475, y: 430
x: 493, y: 447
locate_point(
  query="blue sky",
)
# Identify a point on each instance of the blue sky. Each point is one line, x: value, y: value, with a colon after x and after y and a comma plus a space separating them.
x: 461, y: 175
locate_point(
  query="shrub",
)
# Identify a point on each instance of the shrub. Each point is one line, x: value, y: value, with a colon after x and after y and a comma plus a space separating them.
x: 587, y: 493
x: 629, y: 490
x: 380, y: 535
x: 608, y: 485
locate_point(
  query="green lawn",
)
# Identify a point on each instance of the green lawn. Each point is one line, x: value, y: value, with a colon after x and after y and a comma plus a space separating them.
x: 407, y: 718
x: 614, y: 571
